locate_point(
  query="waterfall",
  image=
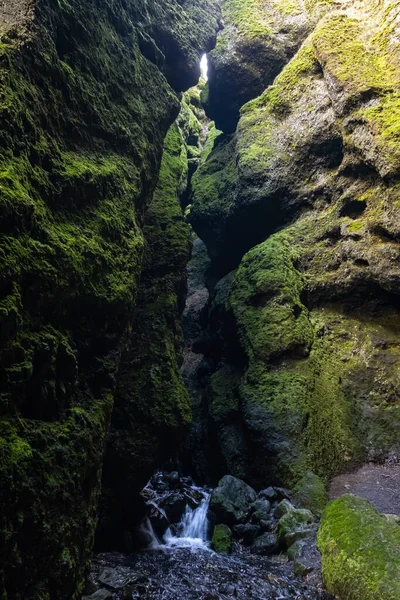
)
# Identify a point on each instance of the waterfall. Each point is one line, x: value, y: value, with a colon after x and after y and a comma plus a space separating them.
x: 152, y: 541
x: 193, y: 527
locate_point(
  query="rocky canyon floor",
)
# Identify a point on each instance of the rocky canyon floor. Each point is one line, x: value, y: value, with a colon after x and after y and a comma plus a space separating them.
x: 200, y: 574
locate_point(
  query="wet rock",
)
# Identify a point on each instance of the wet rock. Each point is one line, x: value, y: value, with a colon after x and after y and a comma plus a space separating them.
x: 310, y: 492
x: 186, y: 575
x: 173, y: 479
x: 193, y: 497
x: 266, y: 544
x: 305, y: 556
x: 114, y: 579
x: 100, y: 595
x: 231, y: 500
x: 260, y: 511
x: 222, y: 539
x: 269, y: 525
x: 300, y: 534
x: 174, y: 505
x: 294, y: 520
x: 157, y: 518
x: 282, y: 494
x: 268, y: 494
x: 247, y: 533
x: 283, y: 507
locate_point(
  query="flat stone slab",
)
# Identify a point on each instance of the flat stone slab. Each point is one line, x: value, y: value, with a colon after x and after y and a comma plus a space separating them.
x: 114, y: 580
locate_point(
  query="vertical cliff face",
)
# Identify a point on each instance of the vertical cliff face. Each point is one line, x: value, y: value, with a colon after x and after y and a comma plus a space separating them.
x: 88, y: 92
x: 303, y: 201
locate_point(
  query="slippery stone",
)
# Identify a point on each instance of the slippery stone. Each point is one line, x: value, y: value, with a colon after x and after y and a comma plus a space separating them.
x: 246, y: 532
x: 231, y: 500
x: 113, y: 580
x: 268, y: 494
x: 260, y: 511
x: 294, y: 520
x: 283, y: 507
x: 265, y: 544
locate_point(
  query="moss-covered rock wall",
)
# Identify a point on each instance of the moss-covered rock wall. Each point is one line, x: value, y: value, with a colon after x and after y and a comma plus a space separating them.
x: 88, y: 91
x: 303, y: 201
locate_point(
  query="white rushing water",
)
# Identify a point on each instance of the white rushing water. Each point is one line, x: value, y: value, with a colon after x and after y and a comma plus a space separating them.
x: 204, y: 67
x: 149, y: 535
x: 193, y: 527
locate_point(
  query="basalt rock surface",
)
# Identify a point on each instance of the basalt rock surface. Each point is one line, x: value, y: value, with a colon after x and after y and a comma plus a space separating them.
x: 88, y: 92
x: 301, y: 202
x: 257, y: 40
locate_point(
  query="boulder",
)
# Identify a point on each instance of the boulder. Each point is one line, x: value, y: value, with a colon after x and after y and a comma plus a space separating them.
x: 310, y: 492
x: 360, y: 551
x: 222, y: 539
x: 247, y: 533
x: 283, y: 507
x: 294, y: 520
x: 158, y: 518
x: 305, y: 556
x: 174, y: 505
x: 268, y: 494
x: 266, y: 544
x: 300, y: 534
x: 231, y: 500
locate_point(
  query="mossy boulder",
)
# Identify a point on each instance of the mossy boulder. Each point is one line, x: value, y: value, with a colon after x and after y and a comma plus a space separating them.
x: 310, y: 492
x: 293, y: 520
x: 222, y: 539
x: 360, y: 551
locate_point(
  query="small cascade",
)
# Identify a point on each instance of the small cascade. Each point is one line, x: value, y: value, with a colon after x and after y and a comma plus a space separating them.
x: 150, y: 538
x: 193, y: 528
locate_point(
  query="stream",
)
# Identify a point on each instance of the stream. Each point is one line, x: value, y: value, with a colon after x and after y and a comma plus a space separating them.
x: 180, y: 565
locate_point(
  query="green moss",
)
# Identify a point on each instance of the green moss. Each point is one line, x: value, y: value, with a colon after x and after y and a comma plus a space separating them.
x: 225, y: 400
x: 222, y: 539
x: 84, y: 115
x: 297, y: 518
x: 152, y: 403
x: 341, y: 50
x: 213, y: 188
x: 247, y: 16
x: 288, y: 86
x: 281, y: 322
x: 310, y: 493
x: 360, y: 551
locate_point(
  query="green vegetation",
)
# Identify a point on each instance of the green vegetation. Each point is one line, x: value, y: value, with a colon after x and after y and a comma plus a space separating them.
x: 222, y: 539
x: 310, y: 492
x: 84, y: 112
x: 360, y: 551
